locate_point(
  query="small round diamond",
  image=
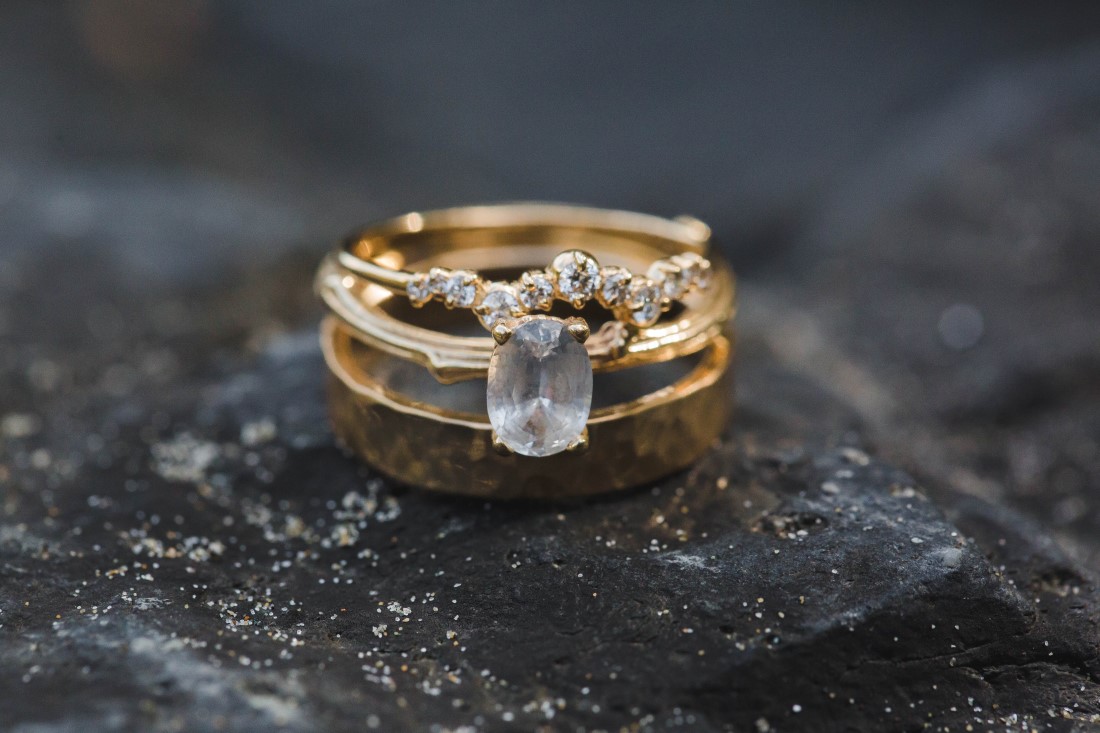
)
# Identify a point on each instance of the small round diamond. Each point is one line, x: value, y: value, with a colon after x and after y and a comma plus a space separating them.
x: 697, y: 268
x: 460, y: 289
x: 578, y: 276
x: 689, y: 263
x: 673, y: 280
x: 536, y: 290
x: 437, y: 280
x: 499, y: 301
x: 419, y: 289
x: 614, y: 286
x: 644, y: 302
x: 702, y: 277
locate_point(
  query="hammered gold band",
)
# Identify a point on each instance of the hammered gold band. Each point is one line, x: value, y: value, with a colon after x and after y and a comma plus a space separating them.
x: 433, y: 447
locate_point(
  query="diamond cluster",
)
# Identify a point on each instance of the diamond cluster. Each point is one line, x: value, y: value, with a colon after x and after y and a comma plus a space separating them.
x: 574, y: 276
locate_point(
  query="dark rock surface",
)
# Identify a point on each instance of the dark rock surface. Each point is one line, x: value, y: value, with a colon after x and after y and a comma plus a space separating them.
x: 899, y: 531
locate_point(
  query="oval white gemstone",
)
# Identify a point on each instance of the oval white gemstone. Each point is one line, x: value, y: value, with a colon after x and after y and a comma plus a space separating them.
x: 540, y: 388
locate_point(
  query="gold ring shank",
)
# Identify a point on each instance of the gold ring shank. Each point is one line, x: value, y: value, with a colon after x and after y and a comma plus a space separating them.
x: 632, y: 443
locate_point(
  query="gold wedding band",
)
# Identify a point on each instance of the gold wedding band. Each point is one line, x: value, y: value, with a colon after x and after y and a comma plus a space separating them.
x: 422, y: 444
x: 564, y: 292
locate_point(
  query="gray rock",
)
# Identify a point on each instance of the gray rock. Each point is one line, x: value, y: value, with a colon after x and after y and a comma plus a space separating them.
x: 899, y: 530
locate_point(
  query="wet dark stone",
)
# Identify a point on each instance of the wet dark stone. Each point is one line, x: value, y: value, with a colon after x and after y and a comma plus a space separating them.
x: 900, y: 529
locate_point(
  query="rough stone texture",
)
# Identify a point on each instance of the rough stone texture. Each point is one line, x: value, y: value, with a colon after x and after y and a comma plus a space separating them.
x: 898, y: 532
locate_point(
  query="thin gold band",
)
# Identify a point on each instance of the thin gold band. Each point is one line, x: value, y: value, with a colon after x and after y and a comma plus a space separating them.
x: 381, y: 251
x: 574, y: 275
x: 357, y: 281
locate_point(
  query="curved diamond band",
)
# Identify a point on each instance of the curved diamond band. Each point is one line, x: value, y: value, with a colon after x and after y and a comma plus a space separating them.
x: 367, y: 309
x: 575, y: 277
x: 379, y: 253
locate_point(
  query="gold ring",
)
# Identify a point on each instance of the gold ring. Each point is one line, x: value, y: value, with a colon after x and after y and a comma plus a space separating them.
x: 452, y: 450
x: 662, y: 301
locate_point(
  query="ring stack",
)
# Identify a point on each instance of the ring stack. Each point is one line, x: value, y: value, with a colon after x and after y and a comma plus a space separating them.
x: 557, y: 293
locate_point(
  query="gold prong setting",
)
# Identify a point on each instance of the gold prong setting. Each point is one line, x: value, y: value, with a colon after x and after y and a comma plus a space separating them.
x: 502, y: 331
x: 578, y: 329
x: 580, y: 443
x: 697, y: 268
x: 499, y: 445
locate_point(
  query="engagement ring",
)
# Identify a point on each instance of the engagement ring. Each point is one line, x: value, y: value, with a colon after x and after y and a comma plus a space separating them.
x: 564, y: 292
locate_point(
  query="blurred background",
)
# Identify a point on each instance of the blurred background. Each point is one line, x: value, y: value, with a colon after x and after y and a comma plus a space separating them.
x: 177, y: 135
x: 909, y: 192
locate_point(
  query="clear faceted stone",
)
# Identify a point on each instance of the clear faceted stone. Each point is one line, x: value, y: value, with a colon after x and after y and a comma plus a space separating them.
x: 702, y: 276
x: 540, y: 388
x: 460, y: 290
x: 671, y: 278
x: 697, y: 268
x: 437, y: 280
x: 645, y: 302
x: 614, y: 286
x: 689, y: 263
x: 578, y: 275
x: 536, y: 291
x: 500, y: 301
x: 700, y: 267
x: 419, y: 289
